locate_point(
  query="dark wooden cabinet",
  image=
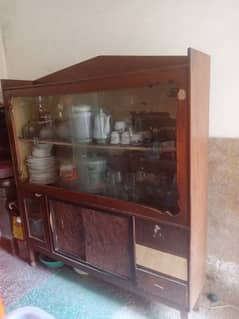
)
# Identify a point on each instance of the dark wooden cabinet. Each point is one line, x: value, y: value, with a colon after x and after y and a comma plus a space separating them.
x: 165, y: 288
x: 167, y: 238
x: 116, y: 147
x: 108, y: 242
x: 67, y: 228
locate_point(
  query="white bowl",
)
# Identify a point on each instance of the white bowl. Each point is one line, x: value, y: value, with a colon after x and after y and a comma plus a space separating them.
x: 44, y: 146
x: 38, y: 152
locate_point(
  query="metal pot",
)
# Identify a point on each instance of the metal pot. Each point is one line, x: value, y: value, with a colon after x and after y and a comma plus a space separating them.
x: 92, y: 171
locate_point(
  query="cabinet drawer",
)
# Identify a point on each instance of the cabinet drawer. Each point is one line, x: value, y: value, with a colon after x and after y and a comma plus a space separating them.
x: 165, y: 288
x: 159, y: 261
x: 166, y: 238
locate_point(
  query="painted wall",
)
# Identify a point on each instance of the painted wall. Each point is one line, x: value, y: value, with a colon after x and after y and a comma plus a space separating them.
x: 44, y: 36
x: 3, y: 65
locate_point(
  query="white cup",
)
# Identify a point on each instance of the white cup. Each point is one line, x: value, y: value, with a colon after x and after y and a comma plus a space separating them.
x: 137, y: 138
x: 125, y: 138
x: 120, y: 126
x: 114, y: 137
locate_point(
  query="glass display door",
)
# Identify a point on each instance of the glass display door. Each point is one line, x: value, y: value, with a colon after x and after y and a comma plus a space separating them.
x: 120, y: 144
x: 35, y: 210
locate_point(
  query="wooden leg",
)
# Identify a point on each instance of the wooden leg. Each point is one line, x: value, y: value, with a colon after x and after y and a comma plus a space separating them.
x: 32, y: 258
x: 13, y: 247
x: 184, y: 314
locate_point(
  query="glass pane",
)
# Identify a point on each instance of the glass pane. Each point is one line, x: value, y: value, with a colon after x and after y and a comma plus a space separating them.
x: 35, y: 218
x: 119, y: 143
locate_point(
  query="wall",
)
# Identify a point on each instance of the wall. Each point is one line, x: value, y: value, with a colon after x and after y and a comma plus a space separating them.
x: 3, y: 65
x: 44, y: 36
x: 223, y: 218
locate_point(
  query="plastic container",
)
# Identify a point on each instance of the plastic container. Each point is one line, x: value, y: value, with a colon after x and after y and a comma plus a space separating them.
x: 50, y: 263
x: 29, y: 313
x: 2, y: 311
x: 17, y: 228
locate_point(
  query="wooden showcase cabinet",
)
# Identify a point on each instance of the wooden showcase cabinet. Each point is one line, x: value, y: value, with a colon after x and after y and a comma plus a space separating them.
x: 110, y: 160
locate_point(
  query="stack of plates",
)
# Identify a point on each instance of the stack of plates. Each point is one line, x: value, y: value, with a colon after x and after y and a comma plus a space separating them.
x: 42, y: 170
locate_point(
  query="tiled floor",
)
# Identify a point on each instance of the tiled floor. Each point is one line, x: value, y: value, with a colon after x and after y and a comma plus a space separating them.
x: 66, y: 295
x: 17, y: 277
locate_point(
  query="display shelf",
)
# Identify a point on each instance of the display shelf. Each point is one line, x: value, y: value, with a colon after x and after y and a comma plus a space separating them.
x: 100, y: 146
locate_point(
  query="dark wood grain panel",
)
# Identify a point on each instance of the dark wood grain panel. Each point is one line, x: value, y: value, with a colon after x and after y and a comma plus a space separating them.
x: 68, y: 229
x: 124, y: 80
x: 167, y: 238
x: 8, y: 84
x: 182, y: 133
x: 199, y: 99
x: 163, y: 287
x: 110, y: 65
x: 108, y: 242
x: 107, y: 203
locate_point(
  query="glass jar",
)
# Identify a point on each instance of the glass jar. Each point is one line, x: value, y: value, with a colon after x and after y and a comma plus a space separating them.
x: 31, y: 129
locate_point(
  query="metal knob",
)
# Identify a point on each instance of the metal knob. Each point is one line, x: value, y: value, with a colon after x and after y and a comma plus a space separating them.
x: 158, y: 286
x: 12, y: 206
x: 38, y: 195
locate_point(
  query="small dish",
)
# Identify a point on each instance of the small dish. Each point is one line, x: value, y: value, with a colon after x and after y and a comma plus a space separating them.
x: 50, y: 263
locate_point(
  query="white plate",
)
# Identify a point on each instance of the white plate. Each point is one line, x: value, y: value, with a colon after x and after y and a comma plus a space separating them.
x: 42, y: 182
x: 43, y: 171
x: 32, y: 158
x: 80, y: 272
x: 50, y: 170
x: 43, y: 177
x: 41, y: 165
x: 39, y: 154
x: 51, y: 179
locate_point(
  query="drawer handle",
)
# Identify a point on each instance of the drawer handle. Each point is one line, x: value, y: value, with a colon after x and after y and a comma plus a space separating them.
x: 12, y: 206
x: 157, y: 232
x: 158, y: 286
x: 51, y: 222
x: 38, y: 195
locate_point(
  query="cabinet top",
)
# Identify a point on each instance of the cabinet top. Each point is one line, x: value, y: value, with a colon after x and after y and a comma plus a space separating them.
x: 105, y: 66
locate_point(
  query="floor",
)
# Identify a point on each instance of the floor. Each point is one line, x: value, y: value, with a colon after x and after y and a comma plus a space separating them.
x: 66, y: 295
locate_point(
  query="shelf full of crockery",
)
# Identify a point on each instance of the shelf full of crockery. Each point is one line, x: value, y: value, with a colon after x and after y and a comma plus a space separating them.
x: 117, y: 147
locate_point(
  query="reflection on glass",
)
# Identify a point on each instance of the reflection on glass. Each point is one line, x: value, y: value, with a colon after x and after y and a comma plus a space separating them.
x: 35, y: 218
x: 119, y: 143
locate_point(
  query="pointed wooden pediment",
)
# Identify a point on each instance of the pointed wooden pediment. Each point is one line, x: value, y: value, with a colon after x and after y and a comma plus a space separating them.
x: 106, y: 66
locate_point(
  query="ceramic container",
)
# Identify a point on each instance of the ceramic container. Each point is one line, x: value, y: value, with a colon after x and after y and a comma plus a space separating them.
x: 125, y: 138
x: 101, y: 127
x: 137, y: 138
x: 115, y: 137
x: 81, y: 119
x: 120, y: 126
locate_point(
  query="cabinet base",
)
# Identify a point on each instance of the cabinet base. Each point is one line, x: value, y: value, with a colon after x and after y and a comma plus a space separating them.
x: 32, y: 258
